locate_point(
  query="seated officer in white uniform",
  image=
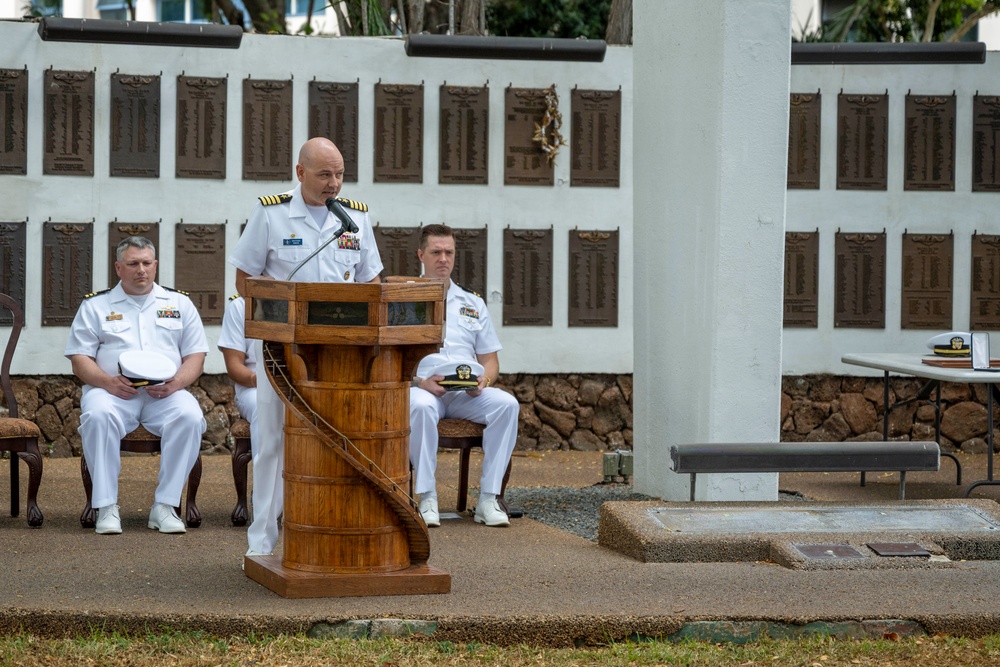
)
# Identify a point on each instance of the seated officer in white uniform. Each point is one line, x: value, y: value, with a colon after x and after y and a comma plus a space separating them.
x: 241, y: 361
x: 138, y: 314
x: 282, y: 232
x: 469, y: 337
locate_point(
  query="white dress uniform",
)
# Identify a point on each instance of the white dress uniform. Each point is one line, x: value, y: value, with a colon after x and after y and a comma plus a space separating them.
x: 280, y: 233
x: 232, y: 338
x: 107, y: 324
x: 469, y: 332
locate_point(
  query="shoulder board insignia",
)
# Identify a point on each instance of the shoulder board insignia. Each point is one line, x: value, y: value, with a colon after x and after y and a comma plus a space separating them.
x: 235, y: 296
x: 356, y: 205
x: 271, y: 200
x: 179, y: 291
x: 93, y: 294
x: 469, y: 291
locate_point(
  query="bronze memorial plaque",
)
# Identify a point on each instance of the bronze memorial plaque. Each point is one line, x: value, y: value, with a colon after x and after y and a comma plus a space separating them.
x: 471, y: 247
x: 930, y: 143
x: 14, y: 117
x: 527, y: 277
x: 862, y: 140
x: 200, y: 268
x: 984, y: 307
x: 859, y: 274
x: 801, y: 302
x: 333, y: 113
x: 13, y: 259
x: 595, y: 141
x: 399, y: 133
x: 463, y: 136
x: 135, y: 125
x: 524, y: 161
x: 803, y: 144
x: 267, y: 130
x: 119, y: 231
x: 398, y: 249
x: 201, y: 127
x: 593, y: 278
x: 68, y: 123
x: 986, y: 143
x: 67, y: 270
x: 928, y: 260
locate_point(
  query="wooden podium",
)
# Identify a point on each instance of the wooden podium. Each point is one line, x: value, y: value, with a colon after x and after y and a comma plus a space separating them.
x: 341, y: 356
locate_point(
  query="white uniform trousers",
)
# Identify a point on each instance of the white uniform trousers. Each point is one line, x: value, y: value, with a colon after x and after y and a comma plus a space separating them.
x: 267, y: 446
x: 106, y: 419
x: 495, y: 408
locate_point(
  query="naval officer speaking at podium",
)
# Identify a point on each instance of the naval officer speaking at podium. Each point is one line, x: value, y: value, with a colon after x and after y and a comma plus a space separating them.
x: 285, y: 239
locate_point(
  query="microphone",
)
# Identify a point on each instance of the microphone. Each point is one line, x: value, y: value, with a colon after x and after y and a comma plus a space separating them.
x: 346, y: 224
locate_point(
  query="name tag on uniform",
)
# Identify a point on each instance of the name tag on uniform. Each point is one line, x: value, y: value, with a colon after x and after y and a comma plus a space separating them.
x: 291, y: 241
x: 113, y: 317
x: 170, y: 313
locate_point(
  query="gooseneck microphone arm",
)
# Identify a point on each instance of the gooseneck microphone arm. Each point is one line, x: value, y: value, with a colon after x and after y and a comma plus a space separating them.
x: 346, y: 225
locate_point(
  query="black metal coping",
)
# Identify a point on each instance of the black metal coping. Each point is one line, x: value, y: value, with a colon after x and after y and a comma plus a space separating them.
x: 144, y: 33
x: 886, y: 53
x: 505, y: 48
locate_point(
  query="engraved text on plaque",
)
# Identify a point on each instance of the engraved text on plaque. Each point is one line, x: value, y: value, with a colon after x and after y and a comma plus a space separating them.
x: 862, y: 139
x: 464, y: 135
x: 398, y: 248
x: 333, y: 113
x: 13, y: 257
x: 595, y: 143
x: 527, y: 277
x: 470, y: 259
x: 201, y: 127
x: 926, y: 282
x: 803, y: 143
x: 984, y: 306
x: 930, y: 142
x: 67, y: 264
x: 524, y: 161
x: 267, y: 130
x: 801, y: 279
x: 986, y: 143
x: 68, y: 123
x: 593, y: 278
x: 14, y: 118
x: 135, y: 125
x: 399, y: 133
x: 859, y: 274
x: 200, y: 268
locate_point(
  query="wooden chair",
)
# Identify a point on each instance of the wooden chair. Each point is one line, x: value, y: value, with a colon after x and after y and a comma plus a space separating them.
x: 19, y: 436
x: 241, y: 459
x: 463, y: 435
x: 141, y: 441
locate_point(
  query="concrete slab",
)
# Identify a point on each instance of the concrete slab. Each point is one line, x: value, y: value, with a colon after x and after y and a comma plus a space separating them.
x: 821, y: 535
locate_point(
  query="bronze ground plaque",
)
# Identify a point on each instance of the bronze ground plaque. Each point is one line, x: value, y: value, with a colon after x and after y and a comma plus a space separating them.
x: 471, y: 246
x: 398, y: 248
x: 119, y: 231
x: 333, y: 113
x: 593, y: 278
x: 986, y: 143
x: 930, y: 143
x: 804, y: 141
x: 13, y: 258
x: 68, y: 128
x: 527, y: 277
x: 201, y: 127
x: 926, y: 298
x: 524, y: 161
x: 135, y: 125
x: 267, y: 130
x: 595, y: 142
x: 862, y: 141
x: 200, y: 268
x: 67, y: 270
x: 984, y: 306
x: 859, y: 272
x: 801, y: 302
x: 463, y: 136
x: 14, y: 118
x: 399, y: 133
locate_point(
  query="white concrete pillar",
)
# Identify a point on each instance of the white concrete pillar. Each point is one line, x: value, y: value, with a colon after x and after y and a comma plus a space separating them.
x: 711, y: 84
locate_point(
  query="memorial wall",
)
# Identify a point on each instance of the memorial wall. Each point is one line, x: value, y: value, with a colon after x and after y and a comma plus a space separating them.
x: 527, y: 161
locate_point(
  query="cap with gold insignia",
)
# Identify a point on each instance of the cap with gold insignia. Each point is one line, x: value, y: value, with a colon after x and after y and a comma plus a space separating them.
x: 459, y: 375
x: 144, y: 368
x: 951, y: 344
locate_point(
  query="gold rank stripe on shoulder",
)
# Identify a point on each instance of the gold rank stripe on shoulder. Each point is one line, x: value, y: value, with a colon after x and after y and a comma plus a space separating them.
x: 271, y: 200
x: 234, y: 297
x: 179, y: 291
x: 356, y: 205
x: 93, y: 294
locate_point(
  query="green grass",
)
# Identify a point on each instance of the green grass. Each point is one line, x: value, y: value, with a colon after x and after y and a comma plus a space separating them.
x: 199, y: 649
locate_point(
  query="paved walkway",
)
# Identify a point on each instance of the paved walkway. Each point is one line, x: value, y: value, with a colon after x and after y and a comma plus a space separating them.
x: 527, y: 583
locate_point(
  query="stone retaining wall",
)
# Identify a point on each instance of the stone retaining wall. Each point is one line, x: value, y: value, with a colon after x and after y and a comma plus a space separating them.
x: 582, y: 412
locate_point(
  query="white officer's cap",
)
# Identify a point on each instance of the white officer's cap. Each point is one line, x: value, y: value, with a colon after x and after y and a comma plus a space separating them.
x: 459, y: 375
x: 143, y: 368
x: 951, y: 344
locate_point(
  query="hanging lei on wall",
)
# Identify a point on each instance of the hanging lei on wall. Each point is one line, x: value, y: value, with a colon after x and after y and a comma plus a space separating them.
x: 547, y: 132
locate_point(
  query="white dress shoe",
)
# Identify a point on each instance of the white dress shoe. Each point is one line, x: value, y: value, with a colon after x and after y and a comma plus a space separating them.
x: 429, y: 510
x: 163, y: 518
x: 489, y: 512
x: 108, y: 521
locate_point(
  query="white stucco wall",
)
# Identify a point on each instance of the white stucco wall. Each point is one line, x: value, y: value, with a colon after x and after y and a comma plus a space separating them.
x: 895, y: 210
x: 556, y: 348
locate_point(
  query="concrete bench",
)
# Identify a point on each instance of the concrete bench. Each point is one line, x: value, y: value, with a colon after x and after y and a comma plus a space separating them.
x: 806, y: 457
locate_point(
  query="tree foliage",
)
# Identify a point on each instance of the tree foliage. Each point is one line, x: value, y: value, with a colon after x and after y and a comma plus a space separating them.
x: 903, y: 21
x: 548, y: 18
